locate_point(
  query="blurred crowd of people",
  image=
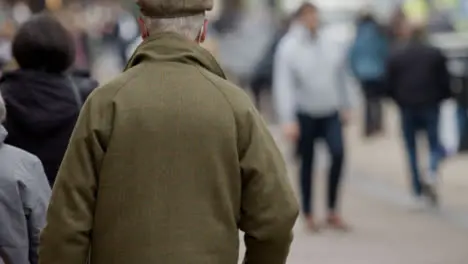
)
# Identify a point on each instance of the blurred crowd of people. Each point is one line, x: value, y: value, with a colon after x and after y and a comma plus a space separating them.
x: 95, y: 27
x: 394, y: 61
x: 47, y: 60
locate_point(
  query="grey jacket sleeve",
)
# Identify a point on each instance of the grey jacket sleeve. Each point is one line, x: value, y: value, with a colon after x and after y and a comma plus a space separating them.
x: 284, y: 84
x: 35, y: 195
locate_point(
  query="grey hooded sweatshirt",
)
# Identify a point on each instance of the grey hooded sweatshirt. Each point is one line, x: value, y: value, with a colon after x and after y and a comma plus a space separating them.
x: 24, y: 197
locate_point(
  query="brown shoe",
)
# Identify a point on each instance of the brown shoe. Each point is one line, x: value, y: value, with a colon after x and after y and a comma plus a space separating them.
x: 337, y: 223
x: 312, y: 225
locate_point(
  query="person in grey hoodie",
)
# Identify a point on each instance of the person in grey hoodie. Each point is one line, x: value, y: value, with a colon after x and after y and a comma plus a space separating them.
x: 24, y: 197
x: 312, y: 102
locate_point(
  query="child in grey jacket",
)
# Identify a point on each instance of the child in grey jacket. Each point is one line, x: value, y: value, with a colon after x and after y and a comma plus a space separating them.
x: 24, y: 197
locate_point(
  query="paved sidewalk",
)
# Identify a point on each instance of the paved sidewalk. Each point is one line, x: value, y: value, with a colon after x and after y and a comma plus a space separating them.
x: 383, y: 233
x: 384, y: 160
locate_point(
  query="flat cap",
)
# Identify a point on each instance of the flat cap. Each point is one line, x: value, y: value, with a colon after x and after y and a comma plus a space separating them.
x: 173, y: 8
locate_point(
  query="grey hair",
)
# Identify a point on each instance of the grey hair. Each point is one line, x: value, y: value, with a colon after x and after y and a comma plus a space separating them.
x: 2, y: 109
x: 188, y: 27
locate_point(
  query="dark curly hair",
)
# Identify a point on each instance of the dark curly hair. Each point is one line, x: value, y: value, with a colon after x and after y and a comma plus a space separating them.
x: 43, y: 44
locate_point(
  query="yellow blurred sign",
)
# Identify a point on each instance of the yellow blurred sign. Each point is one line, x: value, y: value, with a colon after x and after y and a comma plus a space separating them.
x: 416, y: 10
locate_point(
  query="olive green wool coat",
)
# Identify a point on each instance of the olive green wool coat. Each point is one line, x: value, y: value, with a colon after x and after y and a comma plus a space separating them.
x: 165, y: 165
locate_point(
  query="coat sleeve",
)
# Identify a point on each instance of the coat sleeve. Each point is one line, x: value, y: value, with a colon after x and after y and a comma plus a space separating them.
x: 269, y: 207
x: 67, y: 236
x: 35, y: 196
x: 284, y: 84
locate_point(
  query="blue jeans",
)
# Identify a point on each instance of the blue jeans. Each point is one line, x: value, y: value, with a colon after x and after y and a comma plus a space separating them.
x: 312, y: 129
x: 425, y: 120
x: 462, y: 120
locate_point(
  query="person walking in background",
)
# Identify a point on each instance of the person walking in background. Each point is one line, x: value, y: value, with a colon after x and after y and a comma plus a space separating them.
x: 368, y: 58
x: 24, y: 196
x: 312, y: 102
x: 418, y: 81
x: 43, y: 101
x: 203, y: 167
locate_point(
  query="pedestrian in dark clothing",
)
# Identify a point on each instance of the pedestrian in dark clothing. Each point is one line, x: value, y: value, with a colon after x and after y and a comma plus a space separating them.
x: 368, y: 58
x: 43, y: 100
x: 419, y: 81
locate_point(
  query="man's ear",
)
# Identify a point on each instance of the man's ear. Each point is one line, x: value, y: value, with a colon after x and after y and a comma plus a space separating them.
x: 203, y: 32
x: 143, y: 28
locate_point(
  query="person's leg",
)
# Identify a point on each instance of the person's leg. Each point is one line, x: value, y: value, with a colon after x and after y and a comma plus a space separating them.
x: 462, y: 121
x: 367, y: 129
x: 374, y: 115
x: 409, y: 128
x: 335, y: 143
x: 432, y: 118
x: 431, y: 127
x: 376, y: 93
x: 380, y: 95
x: 378, y: 108
x: 306, y: 150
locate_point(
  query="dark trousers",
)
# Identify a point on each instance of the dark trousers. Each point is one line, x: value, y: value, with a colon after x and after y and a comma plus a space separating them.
x: 425, y: 120
x: 462, y: 120
x: 330, y: 129
x: 373, y: 113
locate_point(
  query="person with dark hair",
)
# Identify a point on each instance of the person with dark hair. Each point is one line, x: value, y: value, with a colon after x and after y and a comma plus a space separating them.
x: 368, y: 58
x: 313, y: 103
x: 43, y: 44
x: 418, y: 81
x: 42, y: 99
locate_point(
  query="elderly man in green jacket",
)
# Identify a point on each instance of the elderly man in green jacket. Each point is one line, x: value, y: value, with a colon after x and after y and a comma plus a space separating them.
x: 169, y: 161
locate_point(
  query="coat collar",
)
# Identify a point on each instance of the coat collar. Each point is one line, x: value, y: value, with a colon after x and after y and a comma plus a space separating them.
x: 175, y: 48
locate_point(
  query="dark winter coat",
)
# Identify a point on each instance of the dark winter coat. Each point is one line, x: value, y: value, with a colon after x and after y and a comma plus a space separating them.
x: 417, y: 76
x: 42, y: 111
